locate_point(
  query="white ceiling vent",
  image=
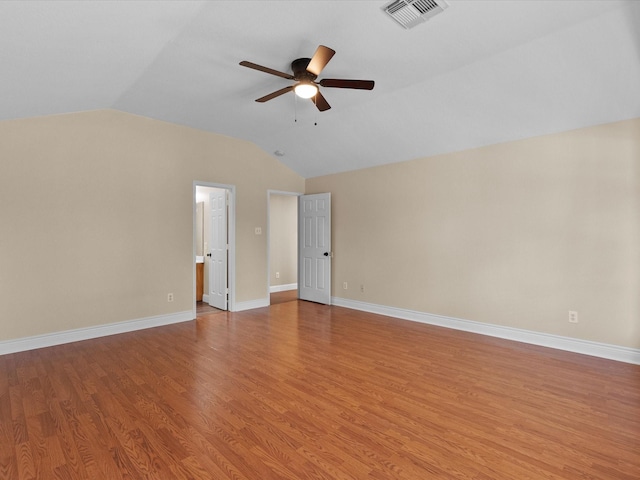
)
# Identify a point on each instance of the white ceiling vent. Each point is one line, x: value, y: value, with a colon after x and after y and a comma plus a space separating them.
x: 410, y: 13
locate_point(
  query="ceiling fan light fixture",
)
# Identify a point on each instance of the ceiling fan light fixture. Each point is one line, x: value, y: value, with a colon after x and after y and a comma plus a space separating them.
x: 305, y: 89
x: 305, y: 72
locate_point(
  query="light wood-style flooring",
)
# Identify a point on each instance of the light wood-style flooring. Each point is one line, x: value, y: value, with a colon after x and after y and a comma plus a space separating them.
x: 284, y: 297
x: 305, y: 391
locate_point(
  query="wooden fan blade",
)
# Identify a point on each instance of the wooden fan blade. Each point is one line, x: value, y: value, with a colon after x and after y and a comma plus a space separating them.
x: 275, y: 94
x: 338, y: 83
x: 320, y: 59
x: 320, y: 102
x: 255, y: 66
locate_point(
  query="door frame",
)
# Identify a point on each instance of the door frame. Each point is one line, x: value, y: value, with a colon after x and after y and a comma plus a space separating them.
x: 231, y: 235
x: 269, y: 193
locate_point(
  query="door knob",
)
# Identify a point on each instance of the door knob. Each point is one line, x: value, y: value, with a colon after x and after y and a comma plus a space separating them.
x: 208, y: 254
x: 326, y: 254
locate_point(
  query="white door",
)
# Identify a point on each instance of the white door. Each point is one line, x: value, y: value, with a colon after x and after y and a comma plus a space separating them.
x: 314, y: 238
x: 218, y: 249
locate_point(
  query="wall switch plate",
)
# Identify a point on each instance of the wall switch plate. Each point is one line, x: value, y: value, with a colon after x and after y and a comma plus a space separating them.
x: 344, y: 285
x: 258, y: 231
x: 277, y: 274
x: 573, y: 316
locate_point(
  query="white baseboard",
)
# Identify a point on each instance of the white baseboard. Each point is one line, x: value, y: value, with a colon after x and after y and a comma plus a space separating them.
x: 251, y: 304
x: 283, y: 288
x: 68, y: 336
x: 602, y: 350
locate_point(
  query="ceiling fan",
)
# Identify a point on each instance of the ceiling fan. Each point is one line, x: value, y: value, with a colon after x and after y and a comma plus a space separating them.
x: 305, y: 71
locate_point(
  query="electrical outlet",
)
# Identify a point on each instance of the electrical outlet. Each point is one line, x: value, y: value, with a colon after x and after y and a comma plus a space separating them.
x: 258, y: 231
x: 277, y: 274
x: 169, y: 297
x: 361, y: 288
x: 573, y: 316
x: 345, y: 285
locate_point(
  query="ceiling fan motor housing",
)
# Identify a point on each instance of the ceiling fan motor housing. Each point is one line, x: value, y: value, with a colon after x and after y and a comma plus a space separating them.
x: 299, y: 69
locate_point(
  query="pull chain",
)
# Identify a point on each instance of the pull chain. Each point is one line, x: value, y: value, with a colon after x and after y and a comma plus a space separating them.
x: 295, y: 109
x: 315, y: 102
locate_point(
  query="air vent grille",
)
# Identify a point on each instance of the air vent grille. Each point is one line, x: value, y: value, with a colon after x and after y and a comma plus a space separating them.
x: 409, y: 13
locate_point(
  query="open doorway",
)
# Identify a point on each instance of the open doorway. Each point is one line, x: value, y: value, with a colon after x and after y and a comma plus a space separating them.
x: 214, y: 246
x: 282, y: 246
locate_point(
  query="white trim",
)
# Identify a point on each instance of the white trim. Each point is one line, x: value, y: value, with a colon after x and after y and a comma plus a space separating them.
x: 585, y: 347
x: 283, y: 192
x: 251, y: 304
x: 283, y: 288
x: 602, y: 350
x: 76, y: 335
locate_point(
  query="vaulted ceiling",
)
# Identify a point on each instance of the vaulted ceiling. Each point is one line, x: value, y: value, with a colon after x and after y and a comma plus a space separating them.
x: 481, y: 72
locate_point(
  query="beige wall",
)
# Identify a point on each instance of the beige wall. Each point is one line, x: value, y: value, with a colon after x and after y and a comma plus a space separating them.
x: 515, y: 234
x: 96, y: 226
x: 283, y: 224
x: 96, y: 217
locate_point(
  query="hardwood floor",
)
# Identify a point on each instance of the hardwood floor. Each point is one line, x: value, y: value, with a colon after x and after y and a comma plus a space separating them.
x: 305, y: 391
x: 283, y: 297
x: 204, y: 308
